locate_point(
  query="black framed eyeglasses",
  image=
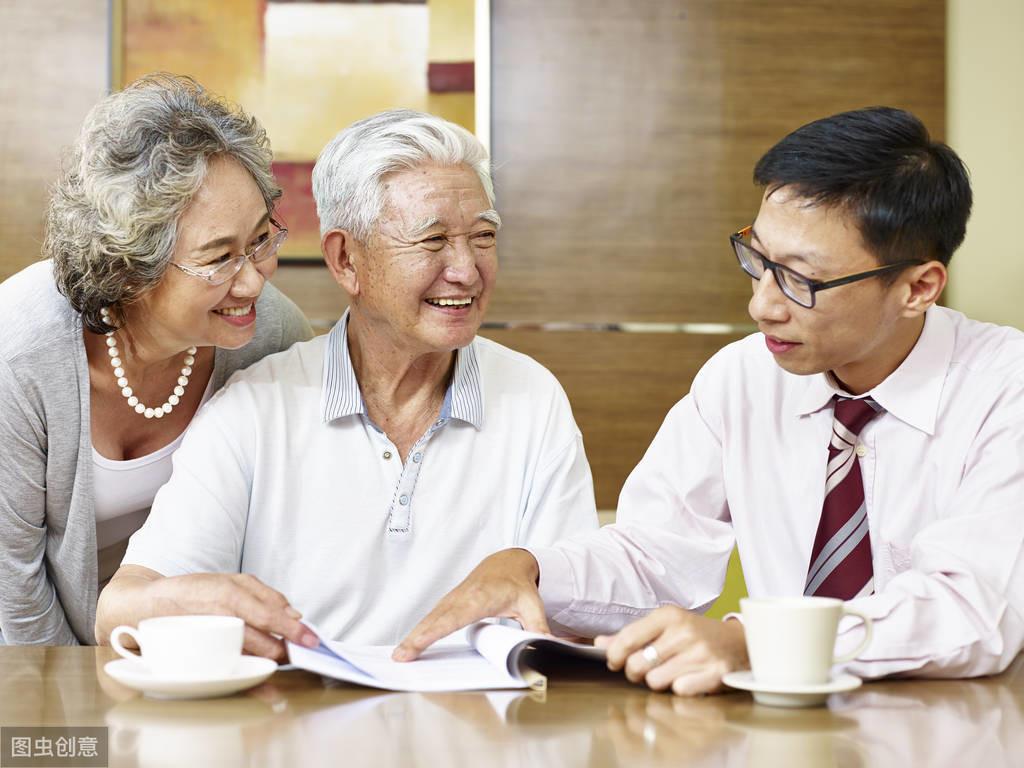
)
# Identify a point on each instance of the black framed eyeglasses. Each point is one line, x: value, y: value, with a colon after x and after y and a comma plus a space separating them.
x: 793, y: 285
x: 220, y: 273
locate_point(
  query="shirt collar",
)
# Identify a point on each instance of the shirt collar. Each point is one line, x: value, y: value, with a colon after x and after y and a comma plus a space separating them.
x: 340, y: 395
x: 466, y: 393
x: 910, y: 393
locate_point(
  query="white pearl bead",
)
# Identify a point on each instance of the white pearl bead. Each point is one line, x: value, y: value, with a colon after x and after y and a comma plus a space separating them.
x: 126, y: 391
x: 104, y: 311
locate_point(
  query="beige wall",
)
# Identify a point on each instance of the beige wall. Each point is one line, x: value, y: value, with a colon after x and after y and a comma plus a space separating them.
x: 53, y: 68
x: 985, y: 101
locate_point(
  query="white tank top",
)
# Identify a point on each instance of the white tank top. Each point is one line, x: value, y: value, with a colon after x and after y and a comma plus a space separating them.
x: 123, y: 492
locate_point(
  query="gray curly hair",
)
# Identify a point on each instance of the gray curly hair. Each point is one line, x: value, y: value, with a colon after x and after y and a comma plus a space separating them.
x: 349, y: 174
x: 142, y: 154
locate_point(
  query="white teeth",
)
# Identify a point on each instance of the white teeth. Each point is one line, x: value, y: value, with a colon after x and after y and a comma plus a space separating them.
x: 450, y: 302
x: 235, y: 311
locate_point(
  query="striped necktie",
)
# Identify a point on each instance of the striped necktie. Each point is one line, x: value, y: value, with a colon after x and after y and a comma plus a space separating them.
x: 841, y: 557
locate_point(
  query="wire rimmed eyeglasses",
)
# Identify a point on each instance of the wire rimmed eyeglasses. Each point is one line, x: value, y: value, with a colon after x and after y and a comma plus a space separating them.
x: 220, y: 273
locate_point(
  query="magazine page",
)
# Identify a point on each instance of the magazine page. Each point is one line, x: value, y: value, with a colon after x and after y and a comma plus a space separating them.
x: 451, y: 665
x: 504, y: 645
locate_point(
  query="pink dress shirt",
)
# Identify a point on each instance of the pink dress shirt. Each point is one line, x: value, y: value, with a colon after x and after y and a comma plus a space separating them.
x: 741, y: 460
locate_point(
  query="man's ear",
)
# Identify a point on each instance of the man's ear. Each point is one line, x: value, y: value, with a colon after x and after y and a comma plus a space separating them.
x: 342, y: 253
x: 924, y: 285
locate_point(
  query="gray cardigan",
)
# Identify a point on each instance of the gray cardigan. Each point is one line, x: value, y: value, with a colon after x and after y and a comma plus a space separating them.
x: 48, y: 569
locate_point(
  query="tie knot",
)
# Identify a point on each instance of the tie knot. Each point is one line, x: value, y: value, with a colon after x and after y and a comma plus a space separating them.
x: 855, y: 414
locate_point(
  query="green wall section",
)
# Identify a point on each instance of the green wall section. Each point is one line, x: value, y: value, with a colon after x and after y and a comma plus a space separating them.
x: 734, y: 589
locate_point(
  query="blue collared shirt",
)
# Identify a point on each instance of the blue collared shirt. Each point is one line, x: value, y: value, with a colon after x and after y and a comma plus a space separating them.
x: 341, y: 397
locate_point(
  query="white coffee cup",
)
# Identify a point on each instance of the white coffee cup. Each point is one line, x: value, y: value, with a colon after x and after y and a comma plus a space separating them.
x: 791, y: 640
x: 185, y: 647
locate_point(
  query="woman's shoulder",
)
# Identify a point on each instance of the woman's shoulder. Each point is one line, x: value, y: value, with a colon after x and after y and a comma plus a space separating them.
x: 33, y: 313
x: 281, y: 318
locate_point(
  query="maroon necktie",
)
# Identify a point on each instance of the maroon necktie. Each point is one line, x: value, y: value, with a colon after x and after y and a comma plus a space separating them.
x: 841, y: 557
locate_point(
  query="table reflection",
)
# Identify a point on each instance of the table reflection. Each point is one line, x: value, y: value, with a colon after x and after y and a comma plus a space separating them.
x: 300, y: 719
x: 946, y: 723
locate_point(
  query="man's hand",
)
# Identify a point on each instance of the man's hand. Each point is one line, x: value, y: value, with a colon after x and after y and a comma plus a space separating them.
x: 504, y: 584
x: 137, y: 593
x: 691, y: 652
x: 269, y: 618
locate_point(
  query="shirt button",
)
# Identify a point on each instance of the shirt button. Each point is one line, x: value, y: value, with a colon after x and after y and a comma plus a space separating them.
x: 862, y: 450
x: 387, y: 454
x: 403, y: 500
x: 416, y: 457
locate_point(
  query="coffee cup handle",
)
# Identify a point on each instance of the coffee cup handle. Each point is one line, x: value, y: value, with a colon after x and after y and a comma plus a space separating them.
x: 115, y: 641
x: 863, y: 643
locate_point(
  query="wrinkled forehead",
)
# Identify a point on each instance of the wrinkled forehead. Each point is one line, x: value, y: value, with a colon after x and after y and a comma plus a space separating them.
x: 451, y: 194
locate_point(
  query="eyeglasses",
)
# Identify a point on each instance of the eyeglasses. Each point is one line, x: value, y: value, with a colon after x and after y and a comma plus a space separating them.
x: 793, y: 285
x: 219, y: 274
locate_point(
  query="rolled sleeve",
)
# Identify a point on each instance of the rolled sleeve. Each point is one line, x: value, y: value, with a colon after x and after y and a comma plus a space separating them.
x: 556, y: 579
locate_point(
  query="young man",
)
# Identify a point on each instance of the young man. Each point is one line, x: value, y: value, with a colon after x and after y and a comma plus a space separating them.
x: 866, y: 444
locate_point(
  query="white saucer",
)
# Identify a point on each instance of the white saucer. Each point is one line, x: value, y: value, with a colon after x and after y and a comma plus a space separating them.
x: 251, y: 670
x: 791, y: 695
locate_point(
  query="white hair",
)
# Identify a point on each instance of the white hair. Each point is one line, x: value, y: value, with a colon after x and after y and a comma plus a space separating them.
x: 348, y: 175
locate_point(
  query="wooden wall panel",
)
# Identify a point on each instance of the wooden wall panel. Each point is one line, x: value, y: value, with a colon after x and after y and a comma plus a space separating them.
x: 53, y: 68
x: 621, y: 386
x: 624, y: 136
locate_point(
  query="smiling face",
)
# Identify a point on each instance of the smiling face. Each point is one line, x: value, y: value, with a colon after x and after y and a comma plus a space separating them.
x: 860, y: 331
x: 425, y: 277
x: 225, y: 218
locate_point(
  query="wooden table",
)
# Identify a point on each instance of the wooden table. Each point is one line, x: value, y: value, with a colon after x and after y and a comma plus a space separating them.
x: 585, y: 718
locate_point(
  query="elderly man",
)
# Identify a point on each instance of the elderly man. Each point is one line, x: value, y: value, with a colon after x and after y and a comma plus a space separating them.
x: 865, y: 445
x: 353, y: 479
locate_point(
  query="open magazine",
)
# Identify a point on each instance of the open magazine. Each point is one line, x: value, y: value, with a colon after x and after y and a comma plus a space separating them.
x: 485, y: 656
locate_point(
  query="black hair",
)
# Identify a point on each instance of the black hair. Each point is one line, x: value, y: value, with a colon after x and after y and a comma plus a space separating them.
x: 910, y: 196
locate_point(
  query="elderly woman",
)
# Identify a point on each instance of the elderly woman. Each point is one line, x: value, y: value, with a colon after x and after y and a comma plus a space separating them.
x: 160, y: 240
x: 389, y: 454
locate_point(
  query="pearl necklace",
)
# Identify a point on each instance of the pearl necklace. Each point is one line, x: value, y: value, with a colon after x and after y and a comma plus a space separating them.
x: 126, y: 391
